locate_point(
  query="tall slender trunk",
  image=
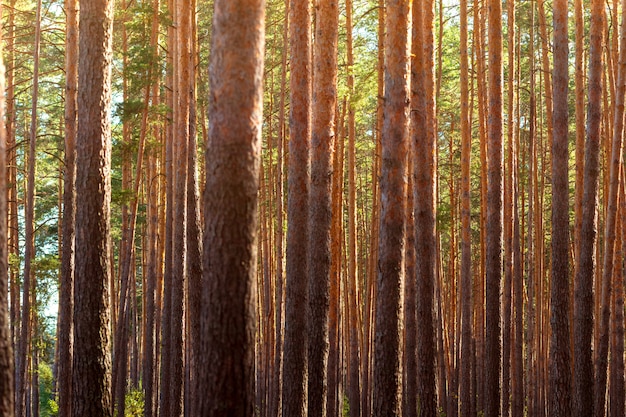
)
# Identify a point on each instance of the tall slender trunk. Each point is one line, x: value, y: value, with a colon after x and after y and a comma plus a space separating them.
x: 7, y: 398
x: 29, y: 238
x: 614, y: 167
x: 12, y: 203
x: 494, y: 214
x: 580, y: 127
x: 479, y: 40
x: 370, y: 288
x: 616, y: 370
x: 423, y: 137
x: 335, y: 397
x: 322, y: 143
x: 465, y: 360
x: 166, y: 308
x: 507, y: 341
x: 409, y: 376
x: 66, y: 292
x: 560, y: 362
x: 294, y: 401
x: 353, y: 305
x: 194, y: 232
x: 149, y: 296
x: 387, y: 374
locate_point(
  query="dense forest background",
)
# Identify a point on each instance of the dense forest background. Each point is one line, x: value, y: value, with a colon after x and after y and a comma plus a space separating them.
x: 435, y: 217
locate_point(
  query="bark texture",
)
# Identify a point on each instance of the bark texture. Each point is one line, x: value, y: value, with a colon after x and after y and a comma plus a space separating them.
x: 493, y: 262
x: 322, y: 143
x: 387, y: 374
x: 560, y: 363
x: 7, y: 398
x: 92, y: 362
x: 295, y: 346
x: 66, y: 292
x: 583, y: 284
x: 423, y: 139
x: 230, y: 202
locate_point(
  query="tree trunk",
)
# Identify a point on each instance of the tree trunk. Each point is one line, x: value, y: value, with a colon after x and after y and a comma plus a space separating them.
x: 194, y: 233
x: 616, y: 370
x: 614, y: 167
x: 294, y: 360
x: 230, y: 203
x: 465, y: 361
x: 166, y: 307
x: 387, y: 374
x: 66, y: 291
x: 560, y: 365
x: 29, y: 236
x: 324, y: 99
x: 423, y: 137
x: 494, y: 214
x: 7, y: 398
x: 92, y: 363
x: 354, y: 384
x: 409, y: 404
x: 335, y: 397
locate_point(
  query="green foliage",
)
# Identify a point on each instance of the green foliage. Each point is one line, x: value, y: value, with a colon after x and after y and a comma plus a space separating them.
x: 47, y: 404
x: 134, y: 403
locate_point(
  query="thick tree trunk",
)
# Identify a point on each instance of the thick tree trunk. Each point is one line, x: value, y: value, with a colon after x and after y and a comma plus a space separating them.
x: 423, y: 137
x: 494, y: 214
x: 322, y: 143
x: 560, y: 363
x: 387, y: 374
x: 586, y: 265
x: 295, y: 358
x: 92, y: 363
x: 230, y: 201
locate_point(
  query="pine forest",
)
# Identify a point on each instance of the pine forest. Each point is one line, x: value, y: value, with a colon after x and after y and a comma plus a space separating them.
x: 322, y: 208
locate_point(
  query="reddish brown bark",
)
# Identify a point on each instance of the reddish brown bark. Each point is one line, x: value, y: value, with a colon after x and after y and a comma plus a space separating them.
x: 66, y: 291
x: 354, y: 384
x: 387, y: 375
x: 409, y: 404
x: 560, y: 364
x: 465, y: 360
x: 231, y: 209
x: 614, y: 166
x: 493, y: 263
x: 92, y: 363
x: 583, y: 285
x: 423, y: 136
x: 294, y: 359
x: 322, y: 143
